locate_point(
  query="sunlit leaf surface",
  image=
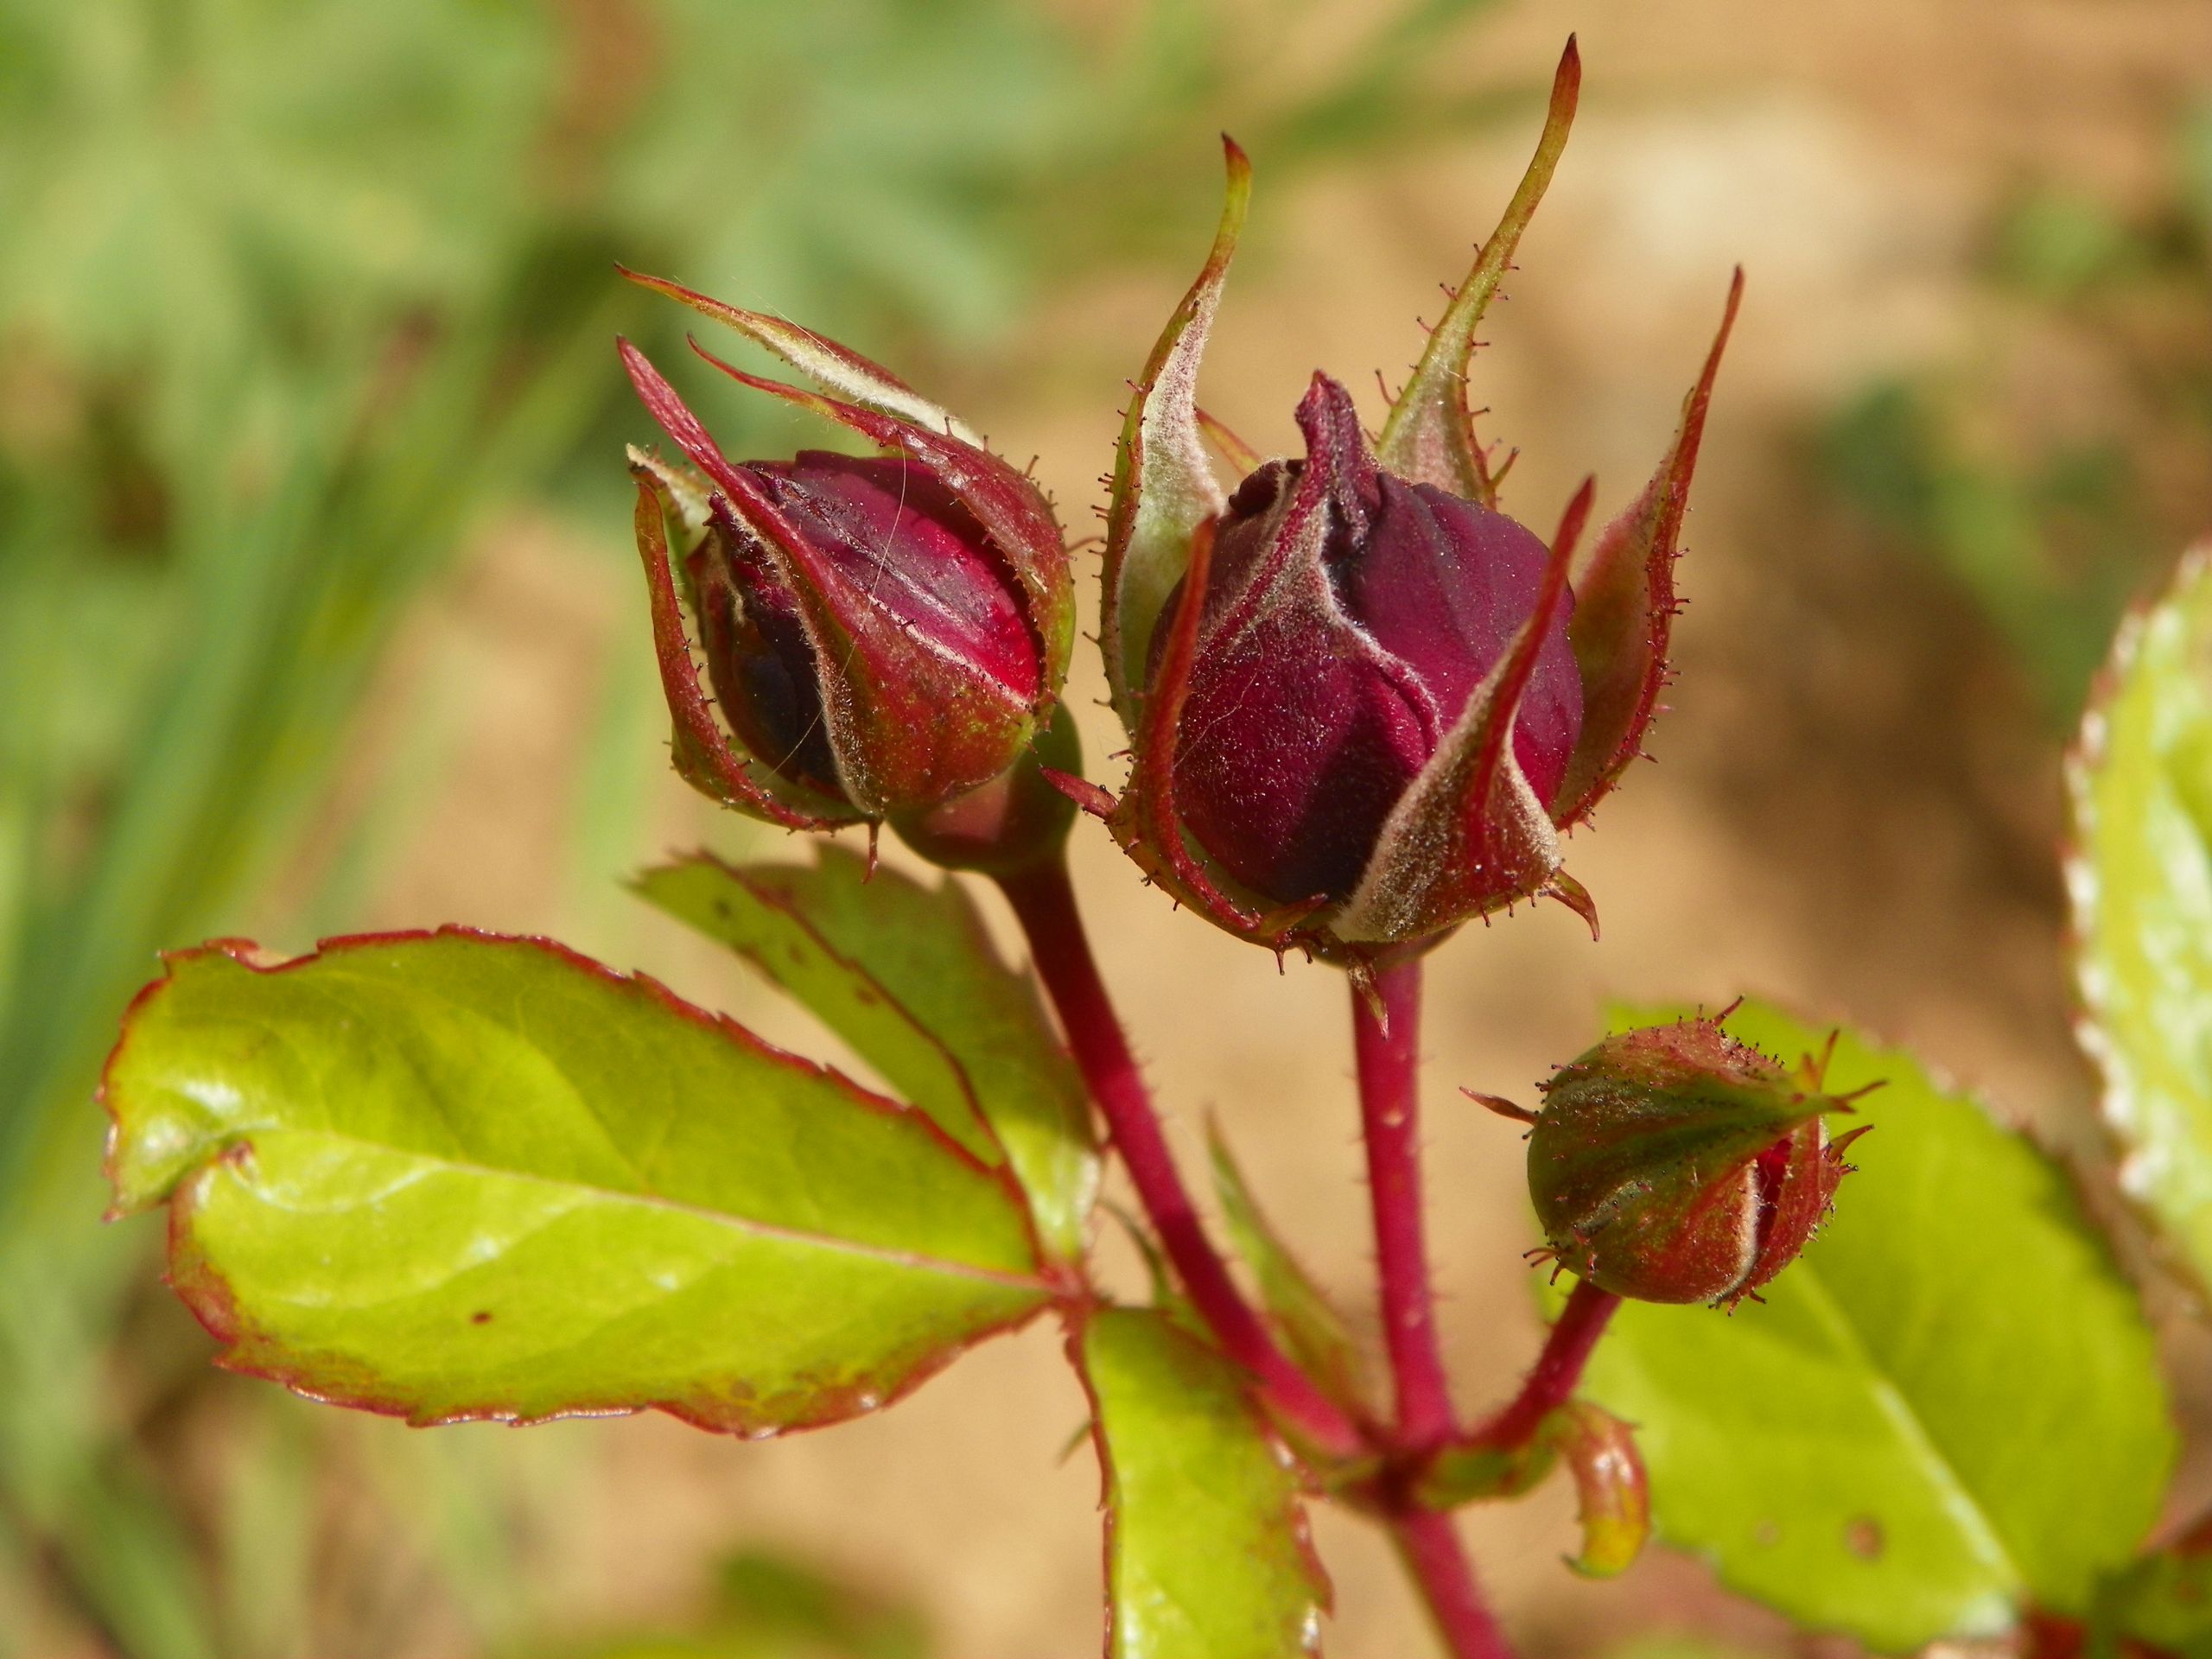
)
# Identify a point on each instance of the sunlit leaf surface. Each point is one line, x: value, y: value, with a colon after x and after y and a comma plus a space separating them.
x: 906, y: 974
x: 1206, y: 1553
x: 2141, y: 880
x: 452, y: 1176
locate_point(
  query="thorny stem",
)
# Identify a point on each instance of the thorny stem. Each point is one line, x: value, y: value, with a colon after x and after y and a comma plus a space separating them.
x: 1386, y: 1029
x: 1386, y: 1035
x: 1552, y: 1381
x: 1043, y: 903
x: 1428, y: 1541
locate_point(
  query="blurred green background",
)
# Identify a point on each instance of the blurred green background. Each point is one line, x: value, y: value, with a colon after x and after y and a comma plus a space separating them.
x: 305, y: 312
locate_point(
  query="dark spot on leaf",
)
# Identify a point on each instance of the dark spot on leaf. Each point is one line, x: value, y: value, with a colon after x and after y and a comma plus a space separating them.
x: 1862, y: 1537
x: 479, y: 1318
x: 1767, y: 1533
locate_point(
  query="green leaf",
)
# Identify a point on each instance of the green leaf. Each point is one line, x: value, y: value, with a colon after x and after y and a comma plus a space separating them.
x: 2163, y: 1601
x: 908, y: 974
x: 1206, y: 1552
x: 2141, y: 881
x: 454, y: 1176
x: 1312, y: 1329
x: 1949, y: 1406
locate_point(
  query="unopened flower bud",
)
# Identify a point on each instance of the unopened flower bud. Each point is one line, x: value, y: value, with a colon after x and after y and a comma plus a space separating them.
x: 1365, y: 704
x: 1350, y: 615
x: 882, y: 634
x: 1674, y: 1164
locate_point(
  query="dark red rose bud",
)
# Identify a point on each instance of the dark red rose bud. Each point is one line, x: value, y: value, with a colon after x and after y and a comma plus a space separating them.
x: 1386, y: 704
x: 1350, y: 615
x: 888, y: 531
x: 882, y: 634
x: 1674, y: 1164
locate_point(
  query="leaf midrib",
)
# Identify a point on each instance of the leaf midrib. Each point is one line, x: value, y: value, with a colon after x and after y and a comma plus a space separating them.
x: 1961, y: 1502
x: 909, y: 1259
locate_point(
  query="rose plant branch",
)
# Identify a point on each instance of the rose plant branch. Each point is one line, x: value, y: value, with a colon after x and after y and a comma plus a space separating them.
x: 453, y: 1175
x: 1558, y: 1371
x: 1386, y: 1028
x: 1044, y: 902
x: 1436, y: 1559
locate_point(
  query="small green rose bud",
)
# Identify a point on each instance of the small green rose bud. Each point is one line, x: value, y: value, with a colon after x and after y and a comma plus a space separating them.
x: 1674, y: 1164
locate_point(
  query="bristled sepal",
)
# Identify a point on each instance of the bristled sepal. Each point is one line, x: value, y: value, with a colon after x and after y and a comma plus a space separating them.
x: 1625, y: 605
x: 1011, y: 509
x: 672, y: 513
x: 1430, y: 436
x: 1163, y: 486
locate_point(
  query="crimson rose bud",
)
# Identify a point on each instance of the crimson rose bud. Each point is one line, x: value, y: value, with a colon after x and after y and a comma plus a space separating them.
x: 1365, y: 705
x: 1674, y: 1164
x: 1350, y: 615
x: 882, y: 634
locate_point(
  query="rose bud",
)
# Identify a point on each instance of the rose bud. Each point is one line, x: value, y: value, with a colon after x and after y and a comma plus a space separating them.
x: 1674, y: 1164
x: 882, y: 634
x: 1365, y: 703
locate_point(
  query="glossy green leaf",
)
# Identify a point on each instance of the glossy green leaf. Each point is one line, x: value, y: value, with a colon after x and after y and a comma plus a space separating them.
x: 1206, y: 1552
x: 908, y: 974
x: 1312, y: 1328
x: 1949, y: 1406
x: 455, y: 1176
x: 2141, y: 881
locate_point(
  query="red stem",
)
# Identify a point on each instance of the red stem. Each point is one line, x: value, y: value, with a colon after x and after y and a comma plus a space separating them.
x: 1558, y: 1370
x: 1428, y: 1541
x: 1386, y: 1030
x: 1043, y: 903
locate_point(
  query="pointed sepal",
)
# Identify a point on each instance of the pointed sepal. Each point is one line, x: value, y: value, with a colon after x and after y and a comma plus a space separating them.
x: 706, y: 755
x: 836, y: 369
x: 1430, y: 436
x: 1145, y: 819
x: 1624, y: 606
x: 1163, y: 486
x: 1469, y: 836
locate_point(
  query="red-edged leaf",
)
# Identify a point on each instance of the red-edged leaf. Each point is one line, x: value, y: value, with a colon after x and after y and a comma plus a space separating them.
x: 1206, y: 1550
x: 452, y: 1176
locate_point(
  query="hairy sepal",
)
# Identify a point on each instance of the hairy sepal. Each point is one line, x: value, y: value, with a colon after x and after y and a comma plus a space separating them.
x: 706, y: 754
x: 1164, y: 487
x: 1624, y: 606
x: 836, y: 369
x: 1430, y: 436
